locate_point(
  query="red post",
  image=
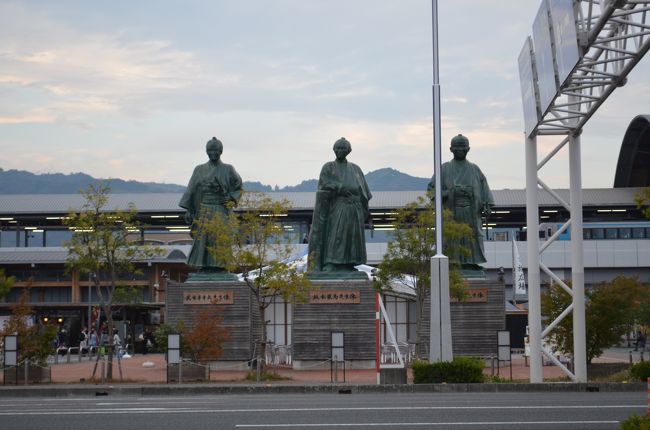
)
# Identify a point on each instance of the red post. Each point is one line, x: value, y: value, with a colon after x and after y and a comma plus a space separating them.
x: 378, y: 338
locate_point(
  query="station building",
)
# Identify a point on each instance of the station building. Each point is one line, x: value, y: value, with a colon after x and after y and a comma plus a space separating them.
x: 33, y: 234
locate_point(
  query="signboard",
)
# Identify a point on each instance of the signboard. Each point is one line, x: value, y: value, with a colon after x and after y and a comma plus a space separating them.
x: 338, y: 346
x: 503, y: 344
x: 565, y: 37
x: 11, y: 350
x: 208, y: 297
x: 476, y: 295
x: 544, y: 57
x: 335, y: 297
x: 528, y: 83
x: 173, y: 348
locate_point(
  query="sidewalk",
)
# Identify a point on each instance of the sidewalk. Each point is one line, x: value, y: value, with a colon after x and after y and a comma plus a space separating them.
x: 133, y: 371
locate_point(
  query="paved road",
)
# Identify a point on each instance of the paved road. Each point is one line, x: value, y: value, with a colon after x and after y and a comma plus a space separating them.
x: 327, y: 411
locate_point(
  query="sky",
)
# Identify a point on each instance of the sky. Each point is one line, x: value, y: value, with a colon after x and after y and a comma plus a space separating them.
x: 134, y: 89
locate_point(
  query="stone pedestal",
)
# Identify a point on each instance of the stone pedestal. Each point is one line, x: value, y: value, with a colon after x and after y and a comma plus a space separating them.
x: 235, y: 304
x: 346, y: 306
x: 475, y: 322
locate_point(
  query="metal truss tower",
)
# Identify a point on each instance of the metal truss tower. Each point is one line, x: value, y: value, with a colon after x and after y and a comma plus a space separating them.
x: 612, y: 37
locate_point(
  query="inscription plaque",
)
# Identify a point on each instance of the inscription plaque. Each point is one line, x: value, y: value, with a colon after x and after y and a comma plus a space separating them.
x: 208, y: 297
x: 335, y: 297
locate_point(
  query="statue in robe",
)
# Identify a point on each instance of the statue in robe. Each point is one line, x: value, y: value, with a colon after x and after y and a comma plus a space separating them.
x: 337, y: 236
x: 466, y: 193
x: 213, y: 189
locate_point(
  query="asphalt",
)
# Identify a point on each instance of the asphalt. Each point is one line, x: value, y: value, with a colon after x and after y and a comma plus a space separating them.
x: 146, y: 375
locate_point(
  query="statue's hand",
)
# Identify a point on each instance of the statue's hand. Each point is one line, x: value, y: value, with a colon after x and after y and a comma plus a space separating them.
x: 188, y: 218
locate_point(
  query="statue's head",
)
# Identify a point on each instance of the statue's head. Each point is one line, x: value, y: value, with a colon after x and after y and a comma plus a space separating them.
x: 459, y: 146
x: 214, y: 148
x: 342, y: 148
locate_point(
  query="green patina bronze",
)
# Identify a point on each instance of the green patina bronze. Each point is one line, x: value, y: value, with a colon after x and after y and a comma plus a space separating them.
x: 213, y: 188
x: 337, y: 240
x: 466, y: 193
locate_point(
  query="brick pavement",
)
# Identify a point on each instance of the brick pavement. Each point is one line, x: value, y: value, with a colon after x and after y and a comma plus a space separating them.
x: 133, y: 371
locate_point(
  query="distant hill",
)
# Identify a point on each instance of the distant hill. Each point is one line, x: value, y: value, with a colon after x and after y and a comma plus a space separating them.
x: 388, y: 179
x: 23, y: 182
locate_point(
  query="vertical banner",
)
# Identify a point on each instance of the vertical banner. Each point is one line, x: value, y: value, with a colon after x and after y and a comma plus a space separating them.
x: 518, y: 279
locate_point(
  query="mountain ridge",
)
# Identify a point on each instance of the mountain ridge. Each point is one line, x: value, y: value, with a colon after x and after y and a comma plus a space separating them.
x: 25, y: 182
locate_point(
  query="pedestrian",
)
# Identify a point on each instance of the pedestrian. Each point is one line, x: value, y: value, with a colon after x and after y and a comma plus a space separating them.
x: 83, y: 340
x: 640, y: 341
x: 117, y: 342
x: 92, y: 340
x: 148, y: 341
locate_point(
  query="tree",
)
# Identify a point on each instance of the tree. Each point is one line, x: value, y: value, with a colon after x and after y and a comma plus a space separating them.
x: 409, y: 255
x: 101, y: 247
x: 6, y: 283
x: 35, y: 343
x: 642, y: 200
x: 203, y: 341
x: 253, y: 240
x: 610, y: 309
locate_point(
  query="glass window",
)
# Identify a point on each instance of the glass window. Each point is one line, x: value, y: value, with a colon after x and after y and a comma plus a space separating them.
x: 638, y: 233
x: 378, y: 236
x: 501, y: 236
x: 34, y: 238
x: 8, y: 239
x: 57, y: 237
x: 597, y: 233
x: 625, y: 233
x: 611, y: 233
x: 586, y: 233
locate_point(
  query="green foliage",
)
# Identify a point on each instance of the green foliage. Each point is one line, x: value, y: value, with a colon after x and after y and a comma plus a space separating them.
x: 252, y: 240
x: 636, y: 422
x: 265, y: 376
x: 126, y: 295
x: 35, y: 343
x: 6, y: 283
x: 610, y: 309
x: 160, y: 335
x: 460, y: 370
x: 103, y: 247
x: 640, y: 371
x: 642, y: 312
x: 410, y: 250
x: 642, y: 200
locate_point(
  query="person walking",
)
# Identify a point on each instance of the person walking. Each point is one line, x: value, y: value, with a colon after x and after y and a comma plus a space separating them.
x: 640, y: 341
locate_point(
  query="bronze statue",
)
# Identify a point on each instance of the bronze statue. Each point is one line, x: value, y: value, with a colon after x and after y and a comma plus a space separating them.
x: 337, y: 237
x: 466, y: 193
x: 212, y: 187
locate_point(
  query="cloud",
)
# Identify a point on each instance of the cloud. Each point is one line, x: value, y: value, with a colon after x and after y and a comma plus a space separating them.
x: 462, y: 100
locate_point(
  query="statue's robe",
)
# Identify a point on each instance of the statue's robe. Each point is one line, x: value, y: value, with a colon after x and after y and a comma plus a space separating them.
x: 337, y: 235
x: 211, y: 187
x: 468, y: 206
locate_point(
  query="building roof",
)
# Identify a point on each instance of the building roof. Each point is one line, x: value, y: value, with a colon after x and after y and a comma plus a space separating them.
x: 59, y: 255
x: 633, y: 168
x: 16, y: 204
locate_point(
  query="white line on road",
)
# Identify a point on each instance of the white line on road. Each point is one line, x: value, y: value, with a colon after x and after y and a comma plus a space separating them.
x: 141, y: 410
x: 393, y: 425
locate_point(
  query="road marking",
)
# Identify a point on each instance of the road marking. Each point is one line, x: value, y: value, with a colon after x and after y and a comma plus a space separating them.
x: 393, y: 425
x: 143, y: 410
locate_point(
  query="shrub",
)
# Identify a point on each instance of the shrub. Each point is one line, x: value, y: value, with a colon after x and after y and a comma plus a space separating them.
x: 640, y: 371
x: 636, y: 422
x: 460, y: 370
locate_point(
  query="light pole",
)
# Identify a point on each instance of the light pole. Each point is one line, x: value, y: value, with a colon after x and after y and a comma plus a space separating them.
x: 440, y: 348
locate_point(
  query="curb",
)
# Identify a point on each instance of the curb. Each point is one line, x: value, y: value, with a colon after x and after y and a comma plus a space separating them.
x: 61, y: 390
